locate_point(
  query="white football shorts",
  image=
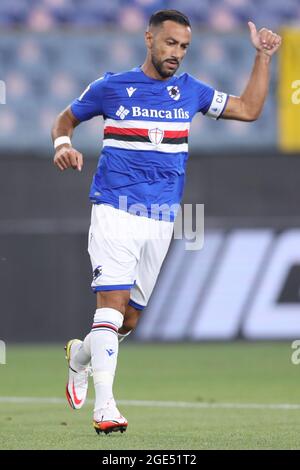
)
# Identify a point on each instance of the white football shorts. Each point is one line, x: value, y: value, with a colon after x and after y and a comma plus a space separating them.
x: 127, y: 251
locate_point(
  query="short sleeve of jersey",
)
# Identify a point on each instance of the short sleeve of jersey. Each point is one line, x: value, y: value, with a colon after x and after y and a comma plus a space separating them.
x: 210, y: 101
x: 90, y: 102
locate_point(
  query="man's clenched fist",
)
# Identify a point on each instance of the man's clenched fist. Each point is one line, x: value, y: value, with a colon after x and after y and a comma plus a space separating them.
x: 67, y: 157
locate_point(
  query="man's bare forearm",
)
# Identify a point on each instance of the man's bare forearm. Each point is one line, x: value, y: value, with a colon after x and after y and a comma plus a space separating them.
x: 65, y: 155
x: 64, y: 124
x: 256, y: 91
x: 248, y: 106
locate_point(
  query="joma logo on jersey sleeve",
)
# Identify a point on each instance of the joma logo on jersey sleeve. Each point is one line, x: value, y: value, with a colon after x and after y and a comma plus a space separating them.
x: 137, y: 111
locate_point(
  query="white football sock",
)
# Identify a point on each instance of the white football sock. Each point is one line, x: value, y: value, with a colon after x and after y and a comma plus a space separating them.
x: 83, y: 355
x: 122, y: 337
x: 104, y: 351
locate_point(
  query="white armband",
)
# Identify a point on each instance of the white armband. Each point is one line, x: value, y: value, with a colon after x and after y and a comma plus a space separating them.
x: 64, y: 139
x: 217, y: 105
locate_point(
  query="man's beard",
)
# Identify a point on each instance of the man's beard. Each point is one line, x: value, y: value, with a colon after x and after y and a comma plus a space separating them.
x: 159, y: 68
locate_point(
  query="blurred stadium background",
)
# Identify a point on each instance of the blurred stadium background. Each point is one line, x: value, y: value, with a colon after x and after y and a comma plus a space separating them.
x: 245, y: 282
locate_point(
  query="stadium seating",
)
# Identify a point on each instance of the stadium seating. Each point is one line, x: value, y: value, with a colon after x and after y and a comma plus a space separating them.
x: 42, y: 78
x: 132, y: 14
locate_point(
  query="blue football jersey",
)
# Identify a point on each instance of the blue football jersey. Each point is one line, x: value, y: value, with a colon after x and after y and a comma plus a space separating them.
x: 141, y: 168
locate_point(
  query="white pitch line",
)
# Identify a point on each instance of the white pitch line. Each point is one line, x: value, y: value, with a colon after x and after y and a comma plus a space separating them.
x: 160, y: 404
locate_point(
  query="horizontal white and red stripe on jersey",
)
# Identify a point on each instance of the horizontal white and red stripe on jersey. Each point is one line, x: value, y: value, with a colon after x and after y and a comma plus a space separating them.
x: 168, y: 137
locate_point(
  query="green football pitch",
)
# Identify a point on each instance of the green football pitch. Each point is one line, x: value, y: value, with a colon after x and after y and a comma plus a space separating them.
x: 175, y: 396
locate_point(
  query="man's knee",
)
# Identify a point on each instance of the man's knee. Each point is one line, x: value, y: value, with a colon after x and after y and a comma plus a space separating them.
x: 117, y: 299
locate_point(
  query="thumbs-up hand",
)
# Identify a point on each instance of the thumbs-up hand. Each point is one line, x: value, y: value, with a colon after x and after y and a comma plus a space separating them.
x: 264, y: 40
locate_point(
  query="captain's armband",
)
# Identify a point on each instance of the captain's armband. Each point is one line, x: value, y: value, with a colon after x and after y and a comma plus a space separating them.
x: 217, y: 105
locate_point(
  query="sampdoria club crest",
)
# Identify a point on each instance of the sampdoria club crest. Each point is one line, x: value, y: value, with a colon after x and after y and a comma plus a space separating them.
x: 174, y: 92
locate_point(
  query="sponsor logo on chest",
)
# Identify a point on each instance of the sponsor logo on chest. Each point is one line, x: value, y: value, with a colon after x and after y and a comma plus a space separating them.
x: 137, y: 111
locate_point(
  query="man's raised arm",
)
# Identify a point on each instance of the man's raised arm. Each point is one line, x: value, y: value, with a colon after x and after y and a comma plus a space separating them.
x: 249, y: 105
x: 65, y: 155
